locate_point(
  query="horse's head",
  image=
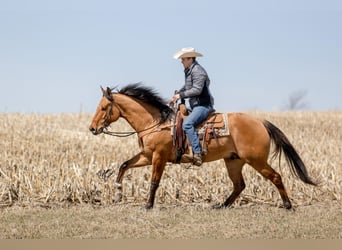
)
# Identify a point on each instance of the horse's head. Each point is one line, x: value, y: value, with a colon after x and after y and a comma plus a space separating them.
x: 106, y: 112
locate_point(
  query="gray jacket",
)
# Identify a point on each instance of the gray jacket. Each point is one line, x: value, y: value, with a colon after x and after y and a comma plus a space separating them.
x: 196, y: 86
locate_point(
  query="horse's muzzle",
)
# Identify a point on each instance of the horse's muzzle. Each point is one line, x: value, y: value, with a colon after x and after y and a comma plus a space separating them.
x: 96, y: 131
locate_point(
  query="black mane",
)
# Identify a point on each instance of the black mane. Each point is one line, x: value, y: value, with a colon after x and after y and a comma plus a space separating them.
x: 149, y: 96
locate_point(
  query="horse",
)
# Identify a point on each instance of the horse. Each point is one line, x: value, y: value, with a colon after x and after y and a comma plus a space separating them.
x: 249, y: 141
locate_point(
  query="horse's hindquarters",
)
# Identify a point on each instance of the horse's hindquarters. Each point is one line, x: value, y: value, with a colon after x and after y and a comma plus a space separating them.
x: 250, y: 137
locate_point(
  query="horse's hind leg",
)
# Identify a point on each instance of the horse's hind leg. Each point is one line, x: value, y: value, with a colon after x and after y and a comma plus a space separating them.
x: 269, y: 173
x: 234, y: 168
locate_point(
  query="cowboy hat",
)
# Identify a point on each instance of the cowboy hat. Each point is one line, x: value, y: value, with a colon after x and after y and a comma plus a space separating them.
x: 186, y: 52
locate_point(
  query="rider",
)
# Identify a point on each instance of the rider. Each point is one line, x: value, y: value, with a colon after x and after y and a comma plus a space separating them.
x: 196, y: 88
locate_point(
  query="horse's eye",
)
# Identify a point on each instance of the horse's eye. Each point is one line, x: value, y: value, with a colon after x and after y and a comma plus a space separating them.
x: 103, y: 108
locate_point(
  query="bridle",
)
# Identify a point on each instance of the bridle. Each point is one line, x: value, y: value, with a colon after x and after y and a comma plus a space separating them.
x: 109, y: 113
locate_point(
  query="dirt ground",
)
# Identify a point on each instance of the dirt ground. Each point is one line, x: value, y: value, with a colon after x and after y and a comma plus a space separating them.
x: 131, y: 221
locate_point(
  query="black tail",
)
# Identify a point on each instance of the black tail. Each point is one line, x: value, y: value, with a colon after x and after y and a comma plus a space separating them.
x: 282, y: 144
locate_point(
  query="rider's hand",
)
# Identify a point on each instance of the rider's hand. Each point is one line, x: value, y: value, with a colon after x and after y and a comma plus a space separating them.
x: 174, y: 99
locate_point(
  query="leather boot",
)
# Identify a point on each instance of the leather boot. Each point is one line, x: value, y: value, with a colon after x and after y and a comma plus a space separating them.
x: 197, y: 160
x: 187, y: 157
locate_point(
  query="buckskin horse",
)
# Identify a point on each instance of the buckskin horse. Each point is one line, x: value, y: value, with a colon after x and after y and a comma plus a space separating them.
x: 249, y: 141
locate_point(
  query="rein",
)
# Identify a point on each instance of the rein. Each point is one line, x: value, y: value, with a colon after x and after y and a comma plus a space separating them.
x: 126, y: 134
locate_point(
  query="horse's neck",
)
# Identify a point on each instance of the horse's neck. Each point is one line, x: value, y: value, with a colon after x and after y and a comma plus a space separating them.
x: 135, y: 112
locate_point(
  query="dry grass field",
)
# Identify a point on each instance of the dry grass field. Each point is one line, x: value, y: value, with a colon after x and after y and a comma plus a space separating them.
x: 48, y: 166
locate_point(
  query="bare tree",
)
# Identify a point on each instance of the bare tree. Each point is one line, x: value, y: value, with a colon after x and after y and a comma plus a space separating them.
x: 296, y: 100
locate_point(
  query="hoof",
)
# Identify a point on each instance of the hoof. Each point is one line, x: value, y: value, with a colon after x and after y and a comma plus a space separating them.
x: 149, y: 206
x: 118, y: 198
x: 105, y: 174
x: 218, y: 206
x: 287, y: 205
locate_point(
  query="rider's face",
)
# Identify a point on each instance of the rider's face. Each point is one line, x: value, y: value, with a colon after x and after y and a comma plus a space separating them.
x: 187, y: 61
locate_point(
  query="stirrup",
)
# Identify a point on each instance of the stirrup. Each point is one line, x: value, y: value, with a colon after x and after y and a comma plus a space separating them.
x: 197, y: 160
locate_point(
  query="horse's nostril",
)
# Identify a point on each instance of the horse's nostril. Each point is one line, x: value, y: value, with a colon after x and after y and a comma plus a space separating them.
x: 92, y: 129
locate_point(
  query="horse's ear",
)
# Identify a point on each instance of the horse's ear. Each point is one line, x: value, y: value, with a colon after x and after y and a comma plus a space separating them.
x: 103, y: 91
x: 109, y: 91
x: 108, y: 94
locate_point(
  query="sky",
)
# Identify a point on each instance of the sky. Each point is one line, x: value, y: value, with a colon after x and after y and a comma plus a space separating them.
x: 54, y: 55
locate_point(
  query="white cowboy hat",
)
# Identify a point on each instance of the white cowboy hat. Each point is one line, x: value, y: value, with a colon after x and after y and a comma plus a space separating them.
x: 186, y: 52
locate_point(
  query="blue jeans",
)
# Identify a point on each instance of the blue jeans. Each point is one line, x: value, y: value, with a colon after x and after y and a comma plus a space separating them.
x: 198, y: 114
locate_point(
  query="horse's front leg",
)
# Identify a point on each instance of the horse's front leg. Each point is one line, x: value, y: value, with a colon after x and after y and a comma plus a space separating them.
x: 138, y: 160
x: 158, y: 165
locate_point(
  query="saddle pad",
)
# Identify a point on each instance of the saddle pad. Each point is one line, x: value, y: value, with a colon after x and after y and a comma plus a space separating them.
x: 219, y: 126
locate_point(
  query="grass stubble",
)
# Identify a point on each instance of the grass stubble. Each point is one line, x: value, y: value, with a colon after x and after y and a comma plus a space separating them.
x: 49, y: 188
